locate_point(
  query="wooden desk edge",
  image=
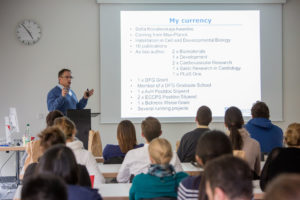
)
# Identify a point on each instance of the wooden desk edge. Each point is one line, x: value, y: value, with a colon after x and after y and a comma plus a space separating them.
x: 15, y: 148
x: 110, y: 175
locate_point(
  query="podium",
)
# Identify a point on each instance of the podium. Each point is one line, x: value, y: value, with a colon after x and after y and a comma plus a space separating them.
x: 82, y: 120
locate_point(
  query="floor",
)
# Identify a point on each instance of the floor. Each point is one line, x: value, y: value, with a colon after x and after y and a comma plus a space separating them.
x: 7, y: 190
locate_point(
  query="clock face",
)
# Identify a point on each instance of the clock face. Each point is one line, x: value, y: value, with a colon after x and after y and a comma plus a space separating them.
x: 28, y: 32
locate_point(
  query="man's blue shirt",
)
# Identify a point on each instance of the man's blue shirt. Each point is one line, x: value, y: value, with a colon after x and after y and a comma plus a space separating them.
x: 55, y: 101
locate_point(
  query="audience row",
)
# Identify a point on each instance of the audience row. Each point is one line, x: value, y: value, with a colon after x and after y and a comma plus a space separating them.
x: 155, y: 171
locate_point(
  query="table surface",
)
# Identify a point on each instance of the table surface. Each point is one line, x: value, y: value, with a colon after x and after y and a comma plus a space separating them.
x: 120, y: 191
x: 12, y: 148
x: 111, y: 170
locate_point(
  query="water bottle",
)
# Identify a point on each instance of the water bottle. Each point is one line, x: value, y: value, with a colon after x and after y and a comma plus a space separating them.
x: 26, y: 137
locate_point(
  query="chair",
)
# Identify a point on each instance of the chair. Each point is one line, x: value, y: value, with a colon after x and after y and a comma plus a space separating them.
x: 114, y: 160
x: 95, y: 144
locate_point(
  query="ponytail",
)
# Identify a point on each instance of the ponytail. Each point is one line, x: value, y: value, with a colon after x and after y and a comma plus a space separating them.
x: 234, y: 121
x: 236, y: 138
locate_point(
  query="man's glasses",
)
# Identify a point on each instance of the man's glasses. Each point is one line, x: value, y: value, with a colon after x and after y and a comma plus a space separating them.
x: 67, y: 77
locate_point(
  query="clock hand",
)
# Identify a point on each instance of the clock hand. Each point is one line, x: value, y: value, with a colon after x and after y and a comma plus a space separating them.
x: 27, y: 31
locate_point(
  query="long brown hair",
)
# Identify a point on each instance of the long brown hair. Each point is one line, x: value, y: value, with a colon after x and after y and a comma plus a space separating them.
x: 126, y: 136
x: 234, y: 121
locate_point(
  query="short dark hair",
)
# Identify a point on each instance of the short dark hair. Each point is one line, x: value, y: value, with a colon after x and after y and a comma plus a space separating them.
x: 151, y: 128
x: 234, y: 121
x: 204, y: 115
x: 231, y: 174
x: 61, y: 72
x: 284, y: 187
x: 260, y: 110
x: 213, y: 144
x: 44, y: 187
x: 52, y: 116
x: 51, y: 136
x: 59, y: 160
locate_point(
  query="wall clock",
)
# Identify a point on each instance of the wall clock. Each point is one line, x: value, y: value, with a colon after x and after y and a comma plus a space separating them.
x: 28, y: 32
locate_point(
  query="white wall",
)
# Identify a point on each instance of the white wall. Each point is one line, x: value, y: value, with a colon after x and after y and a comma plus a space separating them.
x: 70, y: 37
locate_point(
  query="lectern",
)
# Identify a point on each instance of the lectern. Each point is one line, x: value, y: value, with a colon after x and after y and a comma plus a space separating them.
x: 82, y: 120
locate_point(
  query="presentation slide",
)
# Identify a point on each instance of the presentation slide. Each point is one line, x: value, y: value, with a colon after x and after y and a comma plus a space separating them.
x: 172, y: 62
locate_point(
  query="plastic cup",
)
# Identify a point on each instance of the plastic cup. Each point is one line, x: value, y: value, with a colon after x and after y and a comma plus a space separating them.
x: 92, y: 177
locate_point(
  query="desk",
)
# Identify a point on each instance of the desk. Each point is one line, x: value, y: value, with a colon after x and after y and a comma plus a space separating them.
x: 120, y: 191
x: 191, y: 169
x: 17, y: 149
x: 111, y: 170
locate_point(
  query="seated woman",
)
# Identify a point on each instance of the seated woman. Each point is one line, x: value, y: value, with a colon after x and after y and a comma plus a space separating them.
x: 161, y: 180
x: 241, y: 140
x: 83, y: 156
x: 59, y: 160
x: 210, y: 145
x: 49, y: 137
x: 31, y: 153
x: 283, y: 160
x: 114, y: 154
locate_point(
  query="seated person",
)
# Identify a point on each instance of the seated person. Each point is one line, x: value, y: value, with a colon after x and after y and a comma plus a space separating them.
x: 137, y: 160
x: 261, y: 128
x: 31, y: 153
x: 52, y: 116
x: 228, y: 178
x: 284, y: 187
x: 114, y: 154
x: 59, y: 160
x: 210, y: 145
x: 161, y: 179
x: 83, y: 156
x: 241, y: 140
x: 44, y: 187
x: 283, y: 160
x: 188, y: 143
x: 49, y: 137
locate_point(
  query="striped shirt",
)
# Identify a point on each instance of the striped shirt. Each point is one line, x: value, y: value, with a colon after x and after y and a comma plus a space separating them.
x: 189, y: 188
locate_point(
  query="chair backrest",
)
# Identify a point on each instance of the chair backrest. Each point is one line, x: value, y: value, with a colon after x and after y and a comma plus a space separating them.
x: 95, y: 144
x: 114, y: 160
x: 239, y: 154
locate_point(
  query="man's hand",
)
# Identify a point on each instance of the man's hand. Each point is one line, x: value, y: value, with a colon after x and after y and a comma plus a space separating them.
x: 64, y: 92
x: 88, y: 93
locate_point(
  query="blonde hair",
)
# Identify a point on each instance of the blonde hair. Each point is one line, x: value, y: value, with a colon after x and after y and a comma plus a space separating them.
x: 292, y: 135
x: 66, y: 125
x: 160, y: 151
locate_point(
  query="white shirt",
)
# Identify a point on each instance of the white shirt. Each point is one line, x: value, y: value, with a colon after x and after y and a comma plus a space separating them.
x: 86, y: 158
x: 137, y: 161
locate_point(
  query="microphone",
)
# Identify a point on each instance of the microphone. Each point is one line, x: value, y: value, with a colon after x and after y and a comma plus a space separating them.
x: 87, y: 93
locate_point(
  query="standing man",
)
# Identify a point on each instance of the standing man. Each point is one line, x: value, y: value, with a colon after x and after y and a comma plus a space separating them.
x: 62, y: 98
